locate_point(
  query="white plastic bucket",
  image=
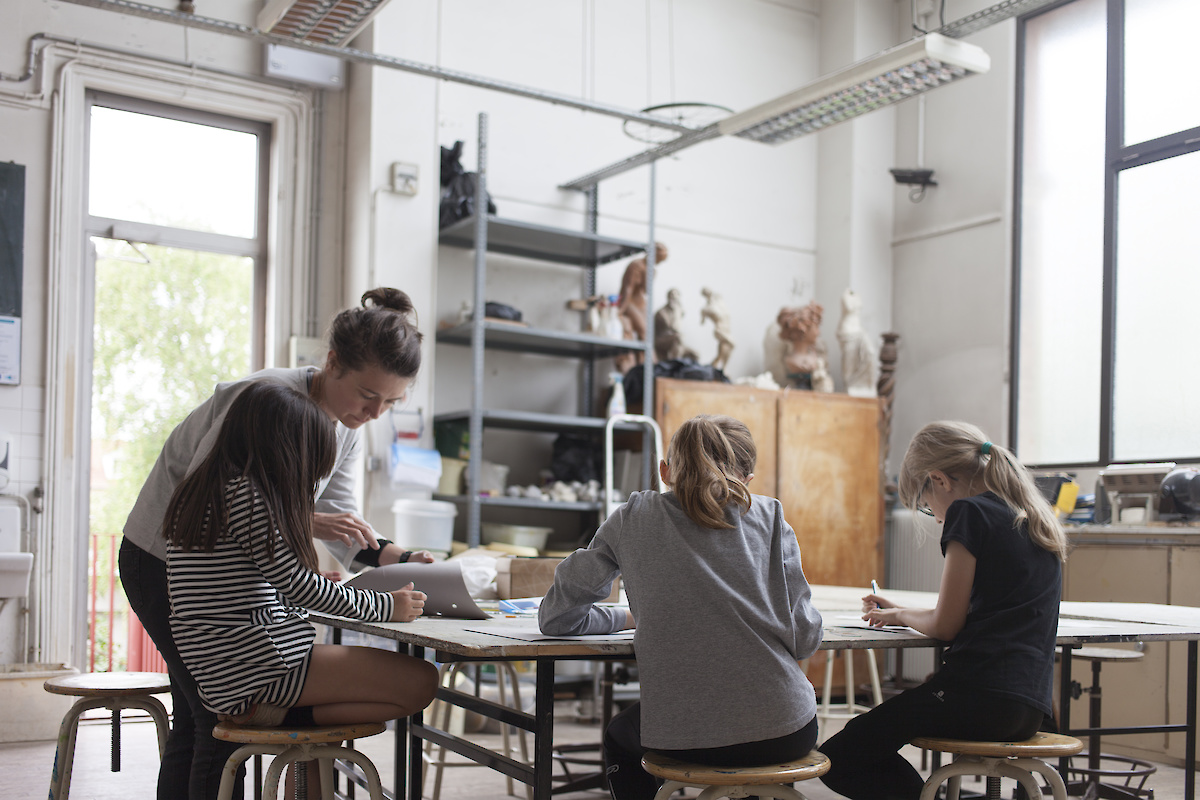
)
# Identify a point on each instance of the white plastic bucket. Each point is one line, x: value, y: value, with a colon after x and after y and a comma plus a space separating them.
x: 424, y: 524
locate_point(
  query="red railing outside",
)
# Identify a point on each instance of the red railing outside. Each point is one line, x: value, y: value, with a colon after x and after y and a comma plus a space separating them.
x: 116, y: 639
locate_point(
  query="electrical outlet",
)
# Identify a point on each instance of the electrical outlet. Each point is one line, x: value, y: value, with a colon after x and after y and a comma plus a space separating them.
x: 404, y: 178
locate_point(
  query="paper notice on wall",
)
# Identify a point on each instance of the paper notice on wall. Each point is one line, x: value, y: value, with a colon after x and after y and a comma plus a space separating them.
x: 10, y: 350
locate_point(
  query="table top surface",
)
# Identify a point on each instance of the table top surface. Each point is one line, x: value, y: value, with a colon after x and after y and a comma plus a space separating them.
x: 1079, y: 623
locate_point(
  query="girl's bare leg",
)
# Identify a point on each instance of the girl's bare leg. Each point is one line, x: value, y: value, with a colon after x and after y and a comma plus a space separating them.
x: 365, y: 684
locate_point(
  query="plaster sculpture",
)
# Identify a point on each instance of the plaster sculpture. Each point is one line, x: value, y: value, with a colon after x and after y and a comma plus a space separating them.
x: 716, y: 310
x: 800, y: 327
x: 858, y: 356
x: 668, y: 343
x: 631, y: 306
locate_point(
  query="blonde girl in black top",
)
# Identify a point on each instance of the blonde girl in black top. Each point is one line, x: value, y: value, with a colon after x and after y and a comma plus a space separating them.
x: 997, y: 608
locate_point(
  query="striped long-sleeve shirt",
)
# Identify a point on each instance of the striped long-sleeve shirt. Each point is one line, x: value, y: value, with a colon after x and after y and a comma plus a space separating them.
x: 239, y: 616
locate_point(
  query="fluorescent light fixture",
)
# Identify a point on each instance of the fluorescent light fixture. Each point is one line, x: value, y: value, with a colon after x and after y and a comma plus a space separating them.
x: 885, y: 78
x: 332, y: 22
x: 990, y: 16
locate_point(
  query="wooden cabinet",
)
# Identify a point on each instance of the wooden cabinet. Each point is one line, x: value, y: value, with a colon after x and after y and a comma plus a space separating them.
x: 1122, y: 563
x: 819, y: 455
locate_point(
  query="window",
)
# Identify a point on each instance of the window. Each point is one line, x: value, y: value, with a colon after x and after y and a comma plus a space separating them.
x: 1108, y: 254
x: 175, y: 214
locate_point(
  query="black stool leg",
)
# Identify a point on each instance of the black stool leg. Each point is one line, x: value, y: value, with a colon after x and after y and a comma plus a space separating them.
x: 116, y: 741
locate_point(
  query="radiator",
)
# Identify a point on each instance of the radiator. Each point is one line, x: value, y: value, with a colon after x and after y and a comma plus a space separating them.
x: 914, y: 562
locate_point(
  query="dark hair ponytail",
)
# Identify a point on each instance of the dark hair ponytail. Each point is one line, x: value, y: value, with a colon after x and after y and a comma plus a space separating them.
x: 711, y: 458
x: 382, y: 332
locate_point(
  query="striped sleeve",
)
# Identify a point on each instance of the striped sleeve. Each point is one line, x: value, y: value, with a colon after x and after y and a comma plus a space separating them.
x: 249, y: 526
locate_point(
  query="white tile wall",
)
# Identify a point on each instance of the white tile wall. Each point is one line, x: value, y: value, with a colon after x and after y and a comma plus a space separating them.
x: 22, y: 416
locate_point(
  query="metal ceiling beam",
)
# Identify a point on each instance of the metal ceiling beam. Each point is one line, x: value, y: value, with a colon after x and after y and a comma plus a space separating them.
x: 374, y: 59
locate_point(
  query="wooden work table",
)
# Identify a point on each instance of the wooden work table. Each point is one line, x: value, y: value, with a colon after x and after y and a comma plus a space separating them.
x: 1081, y: 623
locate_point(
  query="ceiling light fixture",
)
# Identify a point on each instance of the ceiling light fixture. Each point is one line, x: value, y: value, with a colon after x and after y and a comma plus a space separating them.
x: 990, y: 16
x: 332, y: 22
x: 885, y: 78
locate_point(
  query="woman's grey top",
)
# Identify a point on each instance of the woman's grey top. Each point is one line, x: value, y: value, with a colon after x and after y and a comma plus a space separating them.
x: 723, y: 617
x: 193, y: 439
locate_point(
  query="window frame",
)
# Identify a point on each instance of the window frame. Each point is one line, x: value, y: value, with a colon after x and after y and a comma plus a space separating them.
x: 255, y: 248
x: 1118, y: 157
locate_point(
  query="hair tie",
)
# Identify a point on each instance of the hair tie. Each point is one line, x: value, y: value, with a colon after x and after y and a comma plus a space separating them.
x: 985, y: 448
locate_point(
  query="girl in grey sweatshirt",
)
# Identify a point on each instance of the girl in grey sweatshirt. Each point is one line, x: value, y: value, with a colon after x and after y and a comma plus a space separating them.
x: 723, y: 613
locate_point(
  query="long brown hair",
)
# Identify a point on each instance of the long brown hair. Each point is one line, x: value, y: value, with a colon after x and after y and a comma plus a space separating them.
x: 962, y: 450
x: 279, y: 442
x: 711, y: 458
x: 380, y: 332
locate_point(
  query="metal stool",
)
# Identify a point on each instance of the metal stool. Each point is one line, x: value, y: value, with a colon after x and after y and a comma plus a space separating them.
x: 996, y: 760
x: 831, y: 710
x: 1100, y: 765
x: 322, y: 744
x: 114, y: 691
x: 735, y: 782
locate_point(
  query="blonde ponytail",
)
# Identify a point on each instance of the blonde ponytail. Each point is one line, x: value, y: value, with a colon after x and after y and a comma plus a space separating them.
x: 961, y: 449
x: 711, y: 458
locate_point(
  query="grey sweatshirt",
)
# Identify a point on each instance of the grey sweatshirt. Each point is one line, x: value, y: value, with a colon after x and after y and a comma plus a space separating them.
x: 723, y: 617
x: 193, y: 439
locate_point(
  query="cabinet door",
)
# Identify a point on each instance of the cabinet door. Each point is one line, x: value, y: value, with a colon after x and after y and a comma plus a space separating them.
x: 1132, y: 693
x: 829, y: 485
x: 1185, y: 591
x: 677, y: 401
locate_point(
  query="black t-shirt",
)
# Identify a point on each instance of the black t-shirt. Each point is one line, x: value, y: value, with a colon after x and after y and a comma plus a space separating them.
x: 1007, y: 643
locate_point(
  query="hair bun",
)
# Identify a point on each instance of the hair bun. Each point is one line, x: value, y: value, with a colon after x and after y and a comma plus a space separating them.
x: 387, y: 297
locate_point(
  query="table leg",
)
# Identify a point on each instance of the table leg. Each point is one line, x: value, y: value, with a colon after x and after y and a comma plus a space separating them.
x: 1064, y: 701
x: 416, y: 764
x: 1189, y: 777
x: 543, y: 739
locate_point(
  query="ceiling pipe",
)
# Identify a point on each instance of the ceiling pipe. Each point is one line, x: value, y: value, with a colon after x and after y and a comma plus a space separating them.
x: 373, y: 59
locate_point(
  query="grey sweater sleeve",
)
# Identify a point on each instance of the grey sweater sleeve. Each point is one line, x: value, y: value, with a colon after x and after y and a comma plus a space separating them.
x: 584, y: 578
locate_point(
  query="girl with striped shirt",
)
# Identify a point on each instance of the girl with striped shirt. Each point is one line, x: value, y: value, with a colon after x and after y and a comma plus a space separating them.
x: 241, y: 572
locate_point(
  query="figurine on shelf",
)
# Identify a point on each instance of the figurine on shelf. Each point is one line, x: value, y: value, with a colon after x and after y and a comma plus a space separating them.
x: 668, y: 343
x: 716, y: 310
x: 800, y: 327
x: 858, y: 356
x: 632, y: 303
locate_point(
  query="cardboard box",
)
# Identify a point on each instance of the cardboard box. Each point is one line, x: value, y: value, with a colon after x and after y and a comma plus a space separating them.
x: 518, y: 576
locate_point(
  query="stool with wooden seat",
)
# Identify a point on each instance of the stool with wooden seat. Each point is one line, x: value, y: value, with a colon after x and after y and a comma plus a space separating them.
x: 1131, y: 769
x: 322, y: 744
x: 114, y: 691
x: 735, y: 782
x: 996, y: 760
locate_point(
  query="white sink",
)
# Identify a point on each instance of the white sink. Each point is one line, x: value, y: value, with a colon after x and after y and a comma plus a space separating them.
x: 14, y: 574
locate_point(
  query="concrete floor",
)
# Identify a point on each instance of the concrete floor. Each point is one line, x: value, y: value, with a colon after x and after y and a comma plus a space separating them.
x: 25, y: 767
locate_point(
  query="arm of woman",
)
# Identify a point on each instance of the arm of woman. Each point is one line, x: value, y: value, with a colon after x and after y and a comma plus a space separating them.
x: 946, y: 619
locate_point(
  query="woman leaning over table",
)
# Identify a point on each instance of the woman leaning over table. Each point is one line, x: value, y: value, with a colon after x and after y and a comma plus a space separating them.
x: 374, y: 355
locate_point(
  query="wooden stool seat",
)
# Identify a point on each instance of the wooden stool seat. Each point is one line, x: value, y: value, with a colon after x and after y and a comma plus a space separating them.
x: 115, y: 691
x: 109, y: 684
x: 1104, y: 654
x: 735, y: 782
x: 322, y: 744
x: 229, y: 732
x: 1040, y: 745
x: 996, y: 760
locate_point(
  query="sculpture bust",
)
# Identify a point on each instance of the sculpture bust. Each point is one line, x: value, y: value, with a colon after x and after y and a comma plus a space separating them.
x: 800, y: 327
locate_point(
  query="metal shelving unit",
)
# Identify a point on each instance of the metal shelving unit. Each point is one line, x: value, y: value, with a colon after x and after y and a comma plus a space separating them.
x: 585, y: 249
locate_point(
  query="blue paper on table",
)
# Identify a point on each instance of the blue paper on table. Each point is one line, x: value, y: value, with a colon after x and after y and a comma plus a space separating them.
x: 415, y: 465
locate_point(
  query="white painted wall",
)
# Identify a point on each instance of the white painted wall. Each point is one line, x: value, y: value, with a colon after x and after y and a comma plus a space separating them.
x: 765, y: 226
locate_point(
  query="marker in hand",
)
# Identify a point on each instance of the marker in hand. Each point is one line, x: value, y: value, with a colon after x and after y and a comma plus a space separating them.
x: 875, y: 590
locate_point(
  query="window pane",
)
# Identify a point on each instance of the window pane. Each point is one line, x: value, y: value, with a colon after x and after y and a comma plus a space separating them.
x: 170, y: 324
x: 1162, y: 94
x: 172, y: 173
x: 1158, y: 265
x: 1062, y: 220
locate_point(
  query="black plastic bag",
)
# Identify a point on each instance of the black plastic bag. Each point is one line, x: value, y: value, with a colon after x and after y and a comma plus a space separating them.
x: 576, y: 458
x: 458, y: 188
x: 682, y: 368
